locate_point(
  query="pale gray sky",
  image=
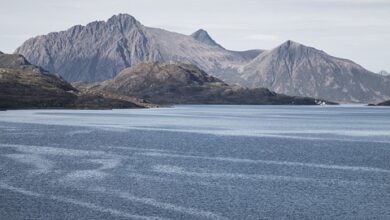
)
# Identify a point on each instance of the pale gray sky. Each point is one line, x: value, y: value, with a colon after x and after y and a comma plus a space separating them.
x: 355, y: 29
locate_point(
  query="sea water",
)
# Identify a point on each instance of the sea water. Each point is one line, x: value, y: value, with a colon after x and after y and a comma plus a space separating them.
x: 196, y: 162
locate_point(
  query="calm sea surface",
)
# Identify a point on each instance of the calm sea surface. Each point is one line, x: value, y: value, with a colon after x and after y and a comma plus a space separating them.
x: 196, y: 162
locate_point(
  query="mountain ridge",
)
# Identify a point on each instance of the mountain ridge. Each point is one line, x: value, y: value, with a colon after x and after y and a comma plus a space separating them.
x: 296, y: 69
x: 99, y: 50
x: 164, y: 83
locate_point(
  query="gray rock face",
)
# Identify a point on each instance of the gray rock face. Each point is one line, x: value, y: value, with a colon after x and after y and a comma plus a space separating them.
x: 295, y: 69
x: 187, y: 84
x: 101, y: 49
x: 204, y: 37
x: 91, y: 53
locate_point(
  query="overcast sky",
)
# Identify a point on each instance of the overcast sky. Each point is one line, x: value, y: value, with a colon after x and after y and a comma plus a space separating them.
x: 355, y: 29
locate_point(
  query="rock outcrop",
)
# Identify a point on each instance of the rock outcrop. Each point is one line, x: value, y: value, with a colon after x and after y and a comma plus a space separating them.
x: 23, y: 85
x: 385, y: 103
x: 187, y: 84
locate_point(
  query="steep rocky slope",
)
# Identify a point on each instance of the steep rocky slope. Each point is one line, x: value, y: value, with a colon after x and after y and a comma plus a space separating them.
x: 295, y: 69
x: 187, y: 84
x: 99, y: 50
x: 204, y: 37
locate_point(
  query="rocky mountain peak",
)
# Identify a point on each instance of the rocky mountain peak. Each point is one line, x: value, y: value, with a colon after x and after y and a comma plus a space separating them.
x: 293, y: 51
x: 124, y: 21
x: 292, y: 45
x: 101, y: 49
x: 122, y: 18
x: 204, y: 37
x: 296, y: 69
x: 200, y: 32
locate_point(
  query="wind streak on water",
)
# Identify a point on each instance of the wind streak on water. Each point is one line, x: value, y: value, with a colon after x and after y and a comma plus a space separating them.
x: 87, y: 205
x: 166, y: 169
x: 161, y: 205
x: 44, y: 150
x: 270, y: 162
x: 41, y: 164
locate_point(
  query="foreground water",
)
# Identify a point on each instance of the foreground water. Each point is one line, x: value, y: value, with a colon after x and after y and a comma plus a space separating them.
x: 196, y: 162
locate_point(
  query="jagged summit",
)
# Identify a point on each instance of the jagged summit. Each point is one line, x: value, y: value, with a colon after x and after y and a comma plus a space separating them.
x: 120, y: 20
x: 101, y: 49
x: 290, y: 45
x: 296, y: 69
x: 93, y: 52
x: 204, y: 37
x: 123, y: 19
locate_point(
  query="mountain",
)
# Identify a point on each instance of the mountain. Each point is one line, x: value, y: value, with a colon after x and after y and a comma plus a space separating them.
x: 204, y: 37
x: 187, y: 84
x: 23, y: 85
x: 295, y: 69
x: 26, y: 85
x: 99, y: 50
